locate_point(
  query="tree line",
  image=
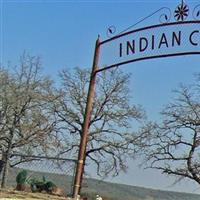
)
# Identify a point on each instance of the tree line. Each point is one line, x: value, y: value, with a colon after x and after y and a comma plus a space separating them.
x: 39, y: 117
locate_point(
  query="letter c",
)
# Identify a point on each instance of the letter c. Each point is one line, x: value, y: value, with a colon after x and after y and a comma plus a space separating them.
x: 191, y: 41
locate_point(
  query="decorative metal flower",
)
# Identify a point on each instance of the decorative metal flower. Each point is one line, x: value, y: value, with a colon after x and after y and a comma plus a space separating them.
x: 181, y: 12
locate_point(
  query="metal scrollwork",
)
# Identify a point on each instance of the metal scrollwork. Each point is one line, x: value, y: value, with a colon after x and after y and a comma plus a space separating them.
x: 165, y: 17
x: 196, y: 12
x: 181, y: 13
x: 111, y: 31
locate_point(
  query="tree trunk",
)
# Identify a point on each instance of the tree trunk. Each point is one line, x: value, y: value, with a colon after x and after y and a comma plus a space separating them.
x: 6, y: 166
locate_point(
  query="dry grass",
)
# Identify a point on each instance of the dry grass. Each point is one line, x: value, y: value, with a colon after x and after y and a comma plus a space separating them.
x: 10, y: 194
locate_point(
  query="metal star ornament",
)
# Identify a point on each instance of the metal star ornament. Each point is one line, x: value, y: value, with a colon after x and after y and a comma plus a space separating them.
x: 181, y: 12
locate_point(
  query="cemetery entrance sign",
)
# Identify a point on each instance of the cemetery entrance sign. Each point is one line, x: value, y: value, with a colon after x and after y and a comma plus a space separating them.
x: 163, y: 40
x: 166, y: 39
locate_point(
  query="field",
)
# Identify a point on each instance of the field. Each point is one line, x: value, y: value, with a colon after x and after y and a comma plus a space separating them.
x: 10, y: 194
x: 92, y: 187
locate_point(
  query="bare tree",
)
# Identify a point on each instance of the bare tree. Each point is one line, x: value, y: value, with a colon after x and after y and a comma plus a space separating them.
x: 173, y: 145
x: 26, y: 123
x: 111, y: 138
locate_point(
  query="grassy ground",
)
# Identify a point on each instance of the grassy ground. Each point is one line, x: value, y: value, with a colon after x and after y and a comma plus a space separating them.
x: 91, y: 187
x: 10, y: 194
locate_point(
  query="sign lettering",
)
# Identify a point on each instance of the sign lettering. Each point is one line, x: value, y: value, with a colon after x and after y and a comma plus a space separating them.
x: 163, y: 40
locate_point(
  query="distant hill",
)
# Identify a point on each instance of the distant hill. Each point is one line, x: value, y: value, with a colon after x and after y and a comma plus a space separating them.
x: 111, y: 191
x: 126, y: 192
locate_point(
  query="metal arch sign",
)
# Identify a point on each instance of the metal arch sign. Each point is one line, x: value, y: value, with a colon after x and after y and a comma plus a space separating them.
x: 163, y: 40
x: 166, y: 39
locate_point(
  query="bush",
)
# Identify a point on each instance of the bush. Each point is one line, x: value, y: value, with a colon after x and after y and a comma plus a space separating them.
x: 21, y: 180
x: 41, y: 185
x: 21, y: 177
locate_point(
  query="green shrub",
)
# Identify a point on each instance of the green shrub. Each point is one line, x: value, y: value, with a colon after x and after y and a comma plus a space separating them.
x: 21, y: 177
x: 38, y: 185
